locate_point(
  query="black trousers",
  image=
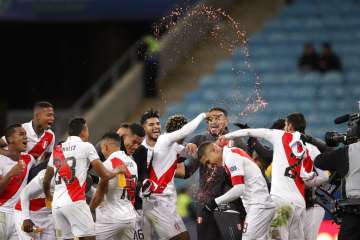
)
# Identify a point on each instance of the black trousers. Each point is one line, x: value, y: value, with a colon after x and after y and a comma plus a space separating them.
x: 350, y: 227
x: 220, y: 225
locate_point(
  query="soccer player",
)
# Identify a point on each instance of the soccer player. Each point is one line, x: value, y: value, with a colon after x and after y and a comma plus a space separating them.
x: 150, y: 120
x: 248, y: 182
x: 41, y: 139
x: 160, y: 207
x: 33, y: 219
x: 69, y: 165
x: 14, y: 172
x: 292, y: 168
x: 116, y: 216
x: 212, y: 183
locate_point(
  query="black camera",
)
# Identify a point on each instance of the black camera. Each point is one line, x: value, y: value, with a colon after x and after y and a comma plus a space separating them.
x: 352, y: 134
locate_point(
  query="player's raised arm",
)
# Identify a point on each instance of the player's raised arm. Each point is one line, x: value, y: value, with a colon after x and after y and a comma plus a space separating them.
x: 187, y: 129
x: 103, y: 172
x: 267, y: 134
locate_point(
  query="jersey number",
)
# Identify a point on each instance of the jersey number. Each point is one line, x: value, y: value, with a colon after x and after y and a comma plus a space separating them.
x: 129, y: 190
x: 64, y: 169
x: 138, y: 234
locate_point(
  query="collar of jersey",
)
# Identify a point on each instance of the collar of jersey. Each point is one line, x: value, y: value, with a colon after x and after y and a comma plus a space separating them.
x: 74, y: 139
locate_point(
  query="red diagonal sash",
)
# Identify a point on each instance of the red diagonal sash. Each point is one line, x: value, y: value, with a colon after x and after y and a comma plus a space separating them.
x: 15, y: 182
x: 42, y: 144
x: 130, y: 182
x: 75, y: 190
x: 307, y: 162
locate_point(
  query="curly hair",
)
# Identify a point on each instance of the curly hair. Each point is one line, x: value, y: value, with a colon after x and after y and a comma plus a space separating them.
x: 175, y: 122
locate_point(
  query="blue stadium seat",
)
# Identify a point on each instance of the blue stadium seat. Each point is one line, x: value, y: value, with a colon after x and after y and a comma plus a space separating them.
x: 274, y: 53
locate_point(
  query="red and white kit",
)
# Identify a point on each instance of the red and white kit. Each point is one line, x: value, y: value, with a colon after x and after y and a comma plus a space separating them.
x: 160, y: 207
x: 116, y: 216
x: 71, y: 161
x: 249, y: 184
x: 32, y: 206
x: 288, y: 176
x: 37, y: 146
x: 11, y: 195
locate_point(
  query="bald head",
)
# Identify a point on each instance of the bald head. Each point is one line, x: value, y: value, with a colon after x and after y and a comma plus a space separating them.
x: 210, y: 154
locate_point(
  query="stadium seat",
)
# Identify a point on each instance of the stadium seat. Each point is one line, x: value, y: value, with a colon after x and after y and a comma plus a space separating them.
x: 274, y: 53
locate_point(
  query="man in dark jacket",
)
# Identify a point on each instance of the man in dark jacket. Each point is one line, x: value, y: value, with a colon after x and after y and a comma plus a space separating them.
x: 213, y: 183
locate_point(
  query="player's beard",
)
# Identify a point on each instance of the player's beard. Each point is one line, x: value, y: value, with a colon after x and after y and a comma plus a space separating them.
x: 215, y: 131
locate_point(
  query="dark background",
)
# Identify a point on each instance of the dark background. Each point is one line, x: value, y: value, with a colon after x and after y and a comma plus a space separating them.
x: 59, y: 61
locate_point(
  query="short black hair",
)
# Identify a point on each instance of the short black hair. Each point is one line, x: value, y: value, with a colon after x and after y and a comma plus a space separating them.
x: 112, y: 136
x: 151, y: 113
x: 202, y: 148
x: 10, y: 130
x: 137, y: 129
x: 219, y: 109
x: 125, y: 125
x: 298, y: 121
x: 75, y: 126
x: 42, y: 104
x: 278, y: 124
x: 175, y: 122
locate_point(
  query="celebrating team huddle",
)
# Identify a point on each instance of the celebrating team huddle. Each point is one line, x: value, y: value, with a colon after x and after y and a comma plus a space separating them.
x: 123, y: 188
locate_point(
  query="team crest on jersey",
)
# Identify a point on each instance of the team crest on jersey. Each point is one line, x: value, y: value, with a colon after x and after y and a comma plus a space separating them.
x: 233, y: 169
x: 45, y: 144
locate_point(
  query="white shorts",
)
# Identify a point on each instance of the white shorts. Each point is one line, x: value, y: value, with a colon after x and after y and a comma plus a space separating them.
x: 313, y: 219
x: 293, y: 228
x: 142, y: 227
x: 74, y: 220
x: 163, y: 217
x: 7, y: 227
x: 115, y: 231
x: 257, y: 223
x: 42, y: 220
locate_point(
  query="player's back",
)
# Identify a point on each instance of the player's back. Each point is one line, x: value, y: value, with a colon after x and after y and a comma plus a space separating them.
x: 286, y: 183
x: 162, y: 169
x: 256, y: 190
x: 120, y: 197
x: 71, y: 161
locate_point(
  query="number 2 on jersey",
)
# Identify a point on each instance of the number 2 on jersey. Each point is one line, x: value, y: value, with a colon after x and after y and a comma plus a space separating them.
x: 65, y: 170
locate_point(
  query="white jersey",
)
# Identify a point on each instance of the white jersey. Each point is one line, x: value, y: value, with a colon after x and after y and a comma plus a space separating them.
x: 32, y: 197
x: 118, y: 203
x: 243, y: 170
x: 283, y: 186
x: 150, y: 152
x: 166, y: 153
x: 11, y: 194
x: 71, y: 161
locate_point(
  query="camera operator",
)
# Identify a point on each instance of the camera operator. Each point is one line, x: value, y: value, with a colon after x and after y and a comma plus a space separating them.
x: 345, y: 161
